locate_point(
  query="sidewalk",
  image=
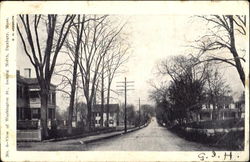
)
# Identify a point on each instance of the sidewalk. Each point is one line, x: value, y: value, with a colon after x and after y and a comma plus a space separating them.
x: 109, y: 135
x: 96, y: 136
x: 69, y: 144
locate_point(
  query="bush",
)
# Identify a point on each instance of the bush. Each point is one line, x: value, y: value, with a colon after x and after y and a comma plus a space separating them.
x: 60, y: 133
x: 232, y: 140
x: 212, y: 124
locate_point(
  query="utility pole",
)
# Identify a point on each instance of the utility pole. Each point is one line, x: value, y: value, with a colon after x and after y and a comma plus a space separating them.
x: 125, y: 99
x: 139, y: 105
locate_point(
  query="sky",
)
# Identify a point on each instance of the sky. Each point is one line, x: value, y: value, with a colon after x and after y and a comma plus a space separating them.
x: 152, y: 39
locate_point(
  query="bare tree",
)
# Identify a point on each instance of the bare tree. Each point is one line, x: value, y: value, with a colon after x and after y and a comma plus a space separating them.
x: 186, y: 89
x: 217, y: 88
x: 163, y: 110
x: 159, y: 92
x: 223, y: 35
x: 114, y: 60
x: 99, y: 36
x: 63, y: 71
x: 102, y: 92
x: 43, y: 56
x: 73, y: 45
x: 178, y: 66
x: 76, y: 31
x: 66, y: 85
x: 81, y: 111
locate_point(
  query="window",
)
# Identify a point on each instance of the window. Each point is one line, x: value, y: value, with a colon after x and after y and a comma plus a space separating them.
x: 27, y: 113
x: 34, y: 94
x: 51, y: 114
x: 49, y: 98
x: 35, y: 113
x: 53, y: 98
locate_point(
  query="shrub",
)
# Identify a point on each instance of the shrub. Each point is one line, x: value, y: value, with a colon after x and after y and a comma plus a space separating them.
x: 212, y: 124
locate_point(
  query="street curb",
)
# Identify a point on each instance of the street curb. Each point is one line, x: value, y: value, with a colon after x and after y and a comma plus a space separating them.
x: 114, y: 135
x: 101, y: 138
x: 72, y: 137
x: 83, y: 136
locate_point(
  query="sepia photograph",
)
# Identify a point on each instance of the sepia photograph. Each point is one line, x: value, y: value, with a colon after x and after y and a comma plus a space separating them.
x: 68, y: 93
x: 112, y: 82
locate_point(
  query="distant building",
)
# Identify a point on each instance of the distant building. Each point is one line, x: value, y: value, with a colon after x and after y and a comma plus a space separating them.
x: 28, y: 112
x: 113, y: 115
x: 223, y: 108
x: 240, y: 105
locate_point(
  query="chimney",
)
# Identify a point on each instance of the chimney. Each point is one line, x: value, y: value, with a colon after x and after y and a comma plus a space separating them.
x: 27, y: 72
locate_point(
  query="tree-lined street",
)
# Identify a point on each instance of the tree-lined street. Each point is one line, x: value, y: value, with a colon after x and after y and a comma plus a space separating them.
x: 84, y: 56
x: 151, y: 138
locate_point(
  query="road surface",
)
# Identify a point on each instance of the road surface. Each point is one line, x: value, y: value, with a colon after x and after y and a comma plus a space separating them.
x: 151, y: 138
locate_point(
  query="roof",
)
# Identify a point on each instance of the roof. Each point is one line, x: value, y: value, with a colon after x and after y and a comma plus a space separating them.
x: 29, y: 81
x: 221, y: 100
x: 21, y: 79
x: 225, y: 99
x: 221, y: 110
x: 112, y: 108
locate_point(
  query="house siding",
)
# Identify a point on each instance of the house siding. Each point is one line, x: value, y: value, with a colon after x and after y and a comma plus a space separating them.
x: 28, y: 109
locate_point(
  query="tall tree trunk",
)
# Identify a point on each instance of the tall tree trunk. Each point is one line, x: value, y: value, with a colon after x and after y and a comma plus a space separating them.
x: 102, y: 95
x: 79, y: 30
x: 70, y: 113
x: 44, y: 110
x: 88, y: 122
x: 108, y: 98
x: 235, y: 53
x: 72, y: 96
x: 239, y: 66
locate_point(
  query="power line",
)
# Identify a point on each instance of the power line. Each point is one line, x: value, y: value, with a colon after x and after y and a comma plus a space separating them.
x: 139, y: 105
x: 126, y: 84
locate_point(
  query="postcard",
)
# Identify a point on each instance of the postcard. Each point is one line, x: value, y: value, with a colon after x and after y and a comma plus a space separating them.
x: 124, y: 81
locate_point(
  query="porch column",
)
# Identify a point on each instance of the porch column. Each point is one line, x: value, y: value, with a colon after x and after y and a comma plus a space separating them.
x: 237, y: 114
x: 39, y: 123
x: 211, y: 115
